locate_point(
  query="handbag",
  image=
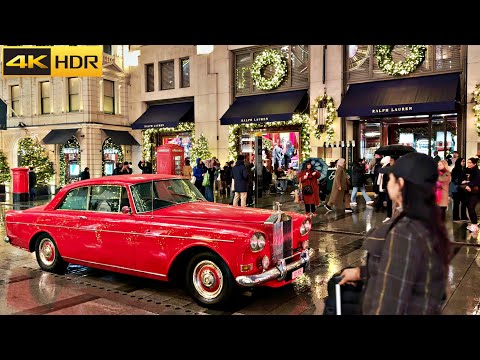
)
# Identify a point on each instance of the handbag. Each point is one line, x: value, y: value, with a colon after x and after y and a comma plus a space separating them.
x: 193, y: 179
x: 307, y: 190
x: 206, y: 179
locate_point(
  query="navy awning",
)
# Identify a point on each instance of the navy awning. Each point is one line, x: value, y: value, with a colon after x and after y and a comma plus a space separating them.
x: 410, y: 96
x: 165, y: 115
x: 264, y: 108
x: 121, y: 137
x: 59, y: 136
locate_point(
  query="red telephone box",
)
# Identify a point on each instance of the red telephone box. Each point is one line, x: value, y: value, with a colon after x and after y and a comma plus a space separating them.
x: 170, y: 159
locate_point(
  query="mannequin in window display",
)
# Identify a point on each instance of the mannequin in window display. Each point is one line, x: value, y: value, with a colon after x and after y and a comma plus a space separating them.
x: 289, y: 152
x: 277, y: 156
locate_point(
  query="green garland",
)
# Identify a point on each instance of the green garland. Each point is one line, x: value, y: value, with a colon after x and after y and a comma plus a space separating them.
x: 148, y: 136
x: 331, y: 116
x: 476, y: 107
x: 297, y: 119
x: 5, y: 175
x: 71, y: 143
x: 269, y: 57
x: 383, y: 54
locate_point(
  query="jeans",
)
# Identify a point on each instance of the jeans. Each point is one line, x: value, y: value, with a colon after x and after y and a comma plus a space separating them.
x: 362, y: 189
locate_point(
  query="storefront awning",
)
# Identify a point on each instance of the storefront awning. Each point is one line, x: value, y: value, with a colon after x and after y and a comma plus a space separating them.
x: 121, y: 137
x: 264, y: 108
x: 410, y: 96
x: 164, y: 115
x: 59, y: 136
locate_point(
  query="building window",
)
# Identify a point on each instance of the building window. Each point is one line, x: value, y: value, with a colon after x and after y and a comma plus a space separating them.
x: 149, y: 78
x: 107, y: 49
x: 108, y: 97
x: 46, y: 105
x: 185, y: 73
x: 15, y: 96
x: 167, y: 79
x: 73, y: 94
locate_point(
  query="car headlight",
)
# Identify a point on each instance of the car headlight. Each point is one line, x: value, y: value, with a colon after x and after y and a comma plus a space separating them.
x: 257, y: 242
x: 306, y: 227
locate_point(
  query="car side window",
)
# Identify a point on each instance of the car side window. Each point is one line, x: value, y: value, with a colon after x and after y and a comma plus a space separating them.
x: 124, y: 199
x: 105, y: 198
x: 76, y: 199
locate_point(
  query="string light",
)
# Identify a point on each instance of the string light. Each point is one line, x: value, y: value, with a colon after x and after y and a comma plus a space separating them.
x: 383, y: 54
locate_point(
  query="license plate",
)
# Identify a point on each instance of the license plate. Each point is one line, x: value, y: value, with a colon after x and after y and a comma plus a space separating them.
x: 297, y: 273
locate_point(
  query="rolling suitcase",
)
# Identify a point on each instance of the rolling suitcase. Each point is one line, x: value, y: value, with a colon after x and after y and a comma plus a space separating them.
x: 343, y: 299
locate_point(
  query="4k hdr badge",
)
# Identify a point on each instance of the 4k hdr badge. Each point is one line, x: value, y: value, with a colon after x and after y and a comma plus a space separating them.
x: 66, y: 61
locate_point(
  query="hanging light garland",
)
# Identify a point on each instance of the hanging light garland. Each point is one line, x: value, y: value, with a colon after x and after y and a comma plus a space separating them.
x: 269, y: 57
x: 297, y: 119
x: 476, y: 107
x: 149, y: 136
x: 109, y: 144
x: 72, y: 143
x: 383, y: 54
x: 331, y: 116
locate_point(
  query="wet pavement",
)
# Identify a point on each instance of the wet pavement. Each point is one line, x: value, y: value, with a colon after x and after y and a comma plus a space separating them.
x: 336, y: 239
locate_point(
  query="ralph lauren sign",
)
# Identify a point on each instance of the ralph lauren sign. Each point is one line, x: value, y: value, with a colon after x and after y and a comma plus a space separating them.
x: 392, y: 109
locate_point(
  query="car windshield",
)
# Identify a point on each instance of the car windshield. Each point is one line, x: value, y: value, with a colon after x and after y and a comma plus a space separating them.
x: 164, y: 193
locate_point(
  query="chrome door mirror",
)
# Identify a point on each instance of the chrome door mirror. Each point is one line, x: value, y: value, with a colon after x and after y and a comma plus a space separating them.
x: 126, y: 210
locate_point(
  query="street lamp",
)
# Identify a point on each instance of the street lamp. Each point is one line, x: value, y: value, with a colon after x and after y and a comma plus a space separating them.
x: 322, y: 113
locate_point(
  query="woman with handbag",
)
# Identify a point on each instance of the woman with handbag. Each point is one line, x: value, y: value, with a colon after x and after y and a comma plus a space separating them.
x: 443, y: 184
x: 308, y: 178
x: 471, y: 186
x: 340, y: 188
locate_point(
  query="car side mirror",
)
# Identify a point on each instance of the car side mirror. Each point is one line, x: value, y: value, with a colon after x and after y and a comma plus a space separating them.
x: 126, y: 210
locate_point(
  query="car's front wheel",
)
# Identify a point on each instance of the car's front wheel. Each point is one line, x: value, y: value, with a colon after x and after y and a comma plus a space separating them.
x: 48, y: 256
x: 209, y: 280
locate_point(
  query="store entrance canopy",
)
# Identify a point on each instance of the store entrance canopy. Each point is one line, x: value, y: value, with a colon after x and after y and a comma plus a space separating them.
x: 60, y: 136
x: 164, y: 115
x: 410, y: 96
x: 264, y: 108
x: 121, y: 137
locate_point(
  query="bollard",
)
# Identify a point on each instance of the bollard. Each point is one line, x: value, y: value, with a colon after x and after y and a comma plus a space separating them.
x: 20, y: 184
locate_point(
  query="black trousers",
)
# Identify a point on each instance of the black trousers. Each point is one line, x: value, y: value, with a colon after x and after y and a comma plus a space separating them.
x: 309, y: 208
x: 472, y: 200
x: 459, y: 206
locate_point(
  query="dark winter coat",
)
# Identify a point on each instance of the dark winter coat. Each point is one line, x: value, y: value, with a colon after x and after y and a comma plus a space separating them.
x: 240, y: 177
x: 358, y: 175
x: 199, y: 170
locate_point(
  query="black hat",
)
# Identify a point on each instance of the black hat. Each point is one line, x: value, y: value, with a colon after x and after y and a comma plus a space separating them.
x: 414, y: 167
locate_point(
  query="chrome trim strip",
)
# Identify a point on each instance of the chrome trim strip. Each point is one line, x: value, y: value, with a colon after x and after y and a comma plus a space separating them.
x: 124, y: 232
x: 115, y: 266
x: 279, y: 272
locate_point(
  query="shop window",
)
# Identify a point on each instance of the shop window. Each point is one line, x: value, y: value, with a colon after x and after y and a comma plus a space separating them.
x: 167, y: 77
x: 107, y: 49
x: 73, y: 94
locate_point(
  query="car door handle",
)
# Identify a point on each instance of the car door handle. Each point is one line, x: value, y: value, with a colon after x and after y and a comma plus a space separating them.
x: 82, y: 217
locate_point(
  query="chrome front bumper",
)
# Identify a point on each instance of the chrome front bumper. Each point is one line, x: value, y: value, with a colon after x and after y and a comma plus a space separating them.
x: 277, y: 273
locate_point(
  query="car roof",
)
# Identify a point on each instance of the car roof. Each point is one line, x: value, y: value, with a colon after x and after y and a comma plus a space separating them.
x: 130, y: 179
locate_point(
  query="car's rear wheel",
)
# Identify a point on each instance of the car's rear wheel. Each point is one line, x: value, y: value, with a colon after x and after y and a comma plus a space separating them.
x: 48, y: 256
x: 209, y: 280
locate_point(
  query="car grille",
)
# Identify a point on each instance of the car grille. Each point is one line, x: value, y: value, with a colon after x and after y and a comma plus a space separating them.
x: 282, y: 234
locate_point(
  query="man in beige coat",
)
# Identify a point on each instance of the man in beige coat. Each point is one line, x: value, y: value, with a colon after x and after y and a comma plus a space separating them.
x: 340, y: 189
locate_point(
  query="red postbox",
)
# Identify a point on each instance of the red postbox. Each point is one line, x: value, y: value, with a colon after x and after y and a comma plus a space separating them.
x: 170, y: 159
x: 20, y: 184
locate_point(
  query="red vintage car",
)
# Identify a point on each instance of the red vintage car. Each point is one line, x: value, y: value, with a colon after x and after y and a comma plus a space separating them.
x: 161, y: 227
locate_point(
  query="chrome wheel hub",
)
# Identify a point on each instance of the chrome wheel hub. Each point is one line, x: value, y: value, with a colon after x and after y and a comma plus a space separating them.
x: 207, y: 279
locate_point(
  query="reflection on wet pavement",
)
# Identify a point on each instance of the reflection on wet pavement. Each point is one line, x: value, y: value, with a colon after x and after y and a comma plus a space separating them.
x: 336, y: 239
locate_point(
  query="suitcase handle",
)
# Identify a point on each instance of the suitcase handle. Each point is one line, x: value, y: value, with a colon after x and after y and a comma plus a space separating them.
x: 338, y: 295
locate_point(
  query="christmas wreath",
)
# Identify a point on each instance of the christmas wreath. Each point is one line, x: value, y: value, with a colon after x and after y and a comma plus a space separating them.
x: 383, y: 54
x: 269, y: 57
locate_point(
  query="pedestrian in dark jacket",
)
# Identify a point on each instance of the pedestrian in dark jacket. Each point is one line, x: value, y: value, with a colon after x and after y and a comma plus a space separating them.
x: 407, y: 257
x: 240, y: 179
x: 145, y: 166
x: 471, y: 187
x: 85, y: 174
x: 358, y: 182
x: 32, y: 183
x: 199, y: 171
x: 459, y: 202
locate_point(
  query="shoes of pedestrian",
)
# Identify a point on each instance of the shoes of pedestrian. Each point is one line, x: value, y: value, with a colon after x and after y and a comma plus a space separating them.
x: 348, y: 210
x: 386, y: 219
x: 328, y: 207
x: 353, y: 203
x: 371, y: 202
x: 313, y: 214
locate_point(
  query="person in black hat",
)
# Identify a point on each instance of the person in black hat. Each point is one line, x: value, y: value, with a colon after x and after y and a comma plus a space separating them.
x: 408, y: 256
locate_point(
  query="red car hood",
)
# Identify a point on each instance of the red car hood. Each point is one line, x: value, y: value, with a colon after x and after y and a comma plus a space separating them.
x: 218, y: 212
